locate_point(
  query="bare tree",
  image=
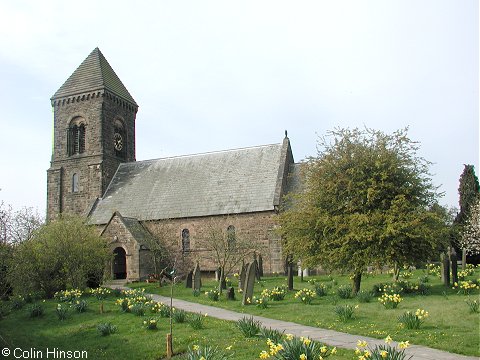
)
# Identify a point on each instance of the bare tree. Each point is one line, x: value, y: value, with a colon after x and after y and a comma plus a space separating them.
x: 224, y: 247
x: 18, y: 226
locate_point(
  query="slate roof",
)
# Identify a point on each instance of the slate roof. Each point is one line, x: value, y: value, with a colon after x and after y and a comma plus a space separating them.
x: 218, y: 183
x: 94, y: 73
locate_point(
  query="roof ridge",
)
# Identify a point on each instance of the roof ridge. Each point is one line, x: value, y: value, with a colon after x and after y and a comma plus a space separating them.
x: 200, y: 154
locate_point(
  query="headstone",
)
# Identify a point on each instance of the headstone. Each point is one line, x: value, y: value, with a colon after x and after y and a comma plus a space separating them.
x: 241, y: 278
x: 188, y: 280
x: 260, y: 265
x: 453, y: 260
x: 197, y: 280
x: 257, y: 271
x: 217, y: 274
x: 231, y: 293
x: 445, y: 263
x: 249, y: 284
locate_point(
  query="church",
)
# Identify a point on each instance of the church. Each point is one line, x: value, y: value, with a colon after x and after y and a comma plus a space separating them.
x: 94, y: 173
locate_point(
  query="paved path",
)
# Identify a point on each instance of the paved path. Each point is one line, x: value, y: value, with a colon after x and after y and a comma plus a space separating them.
x: 328, y: 337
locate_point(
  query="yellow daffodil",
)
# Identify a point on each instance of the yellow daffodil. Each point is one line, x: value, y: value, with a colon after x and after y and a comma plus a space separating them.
x: 388, y: 339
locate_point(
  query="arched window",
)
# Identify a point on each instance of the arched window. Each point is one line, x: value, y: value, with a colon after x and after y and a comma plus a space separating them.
x: 185, y: 240
x: 119, y: 139
x: 75, y: 187
x: 76, y: 136
x: 231, y: 237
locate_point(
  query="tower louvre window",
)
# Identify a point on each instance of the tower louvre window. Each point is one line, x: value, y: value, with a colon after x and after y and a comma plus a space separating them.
x: 185, y: 240
x: 75, y: 187
x: 76, y: 137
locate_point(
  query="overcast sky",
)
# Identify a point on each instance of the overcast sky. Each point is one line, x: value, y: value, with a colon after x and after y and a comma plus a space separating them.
x: 215, y: 75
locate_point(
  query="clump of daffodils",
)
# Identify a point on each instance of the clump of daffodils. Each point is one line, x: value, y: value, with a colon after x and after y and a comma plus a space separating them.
x: 305, y: 295
x: 364, y: 352
x: 150, y: 324
x: 302, y: 348
x: 390, y: 301
x: 465, y: 287
x: 413, y: 320
x: 69, y: 296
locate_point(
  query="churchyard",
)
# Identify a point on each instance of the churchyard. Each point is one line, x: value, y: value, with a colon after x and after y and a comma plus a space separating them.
x: 128, y: 325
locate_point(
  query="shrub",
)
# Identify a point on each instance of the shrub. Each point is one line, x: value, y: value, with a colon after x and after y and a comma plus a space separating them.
x: 344, y: 312
x: 196, y: 321
x: 35, y: 310
x: 17, y: 303
x: 248, y: 326
x: 272, y: 334
x: 390, y: 301
x: 413, y: 321
x: 306, y: 296
x: 179, y: 315
x: 61, y: 312
x: 320, y: 289
x: 117, y: 292
x: 106, y: 329
x: 150, y: 323
x: 473, y: 305
x: 344, y: 291
x: 213, y: 294
x: 196, y: 293
x: 80, y: 306
x: 206, y: 352
x: 364, y: 296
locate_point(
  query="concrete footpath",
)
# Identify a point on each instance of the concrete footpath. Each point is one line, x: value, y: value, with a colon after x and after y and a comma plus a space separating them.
x: 328, y: 337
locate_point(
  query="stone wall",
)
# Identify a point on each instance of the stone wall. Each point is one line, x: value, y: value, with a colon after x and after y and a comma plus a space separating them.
x: 257, y: 227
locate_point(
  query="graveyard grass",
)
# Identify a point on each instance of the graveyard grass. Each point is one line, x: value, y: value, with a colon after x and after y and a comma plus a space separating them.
x: 450, y: 326
x: 131, y: 341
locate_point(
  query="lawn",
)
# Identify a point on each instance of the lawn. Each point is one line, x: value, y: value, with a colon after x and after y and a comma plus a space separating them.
x: 450, y: 326
x: 132, y: 340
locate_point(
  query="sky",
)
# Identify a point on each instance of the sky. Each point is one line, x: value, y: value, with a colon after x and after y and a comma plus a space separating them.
x: 216, y: 75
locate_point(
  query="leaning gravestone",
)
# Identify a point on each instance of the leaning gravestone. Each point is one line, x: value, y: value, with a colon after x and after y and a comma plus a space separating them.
x: 241, y: 277
x: 453, y: 260
x: 188, y: 280
x: 260, y: 265
x: 197, y: 280
x: 249, y: 284
x: 257, y: 271
x: 445, y: 263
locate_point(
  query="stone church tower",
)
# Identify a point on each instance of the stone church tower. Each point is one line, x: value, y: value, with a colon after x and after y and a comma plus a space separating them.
x: 94, y: 131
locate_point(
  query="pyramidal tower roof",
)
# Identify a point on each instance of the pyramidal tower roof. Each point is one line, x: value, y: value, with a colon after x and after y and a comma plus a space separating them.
x: 94, y: 73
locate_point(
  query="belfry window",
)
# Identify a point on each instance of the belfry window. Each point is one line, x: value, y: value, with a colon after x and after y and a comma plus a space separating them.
x: 185, y: 240
x: 76, y: 137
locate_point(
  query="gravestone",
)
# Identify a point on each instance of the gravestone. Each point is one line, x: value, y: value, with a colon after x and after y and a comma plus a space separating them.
x: 197, y: 280
x: 249, y: 284
x: 257, y: 272
x: 188, y: 280
x: 241, y: 277
x: 445, y: 263
x: 453, y: 260
x: 231, y: 293
x: 260, y: 265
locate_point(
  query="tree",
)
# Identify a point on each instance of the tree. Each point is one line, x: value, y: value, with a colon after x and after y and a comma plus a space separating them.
x: 468, y: 191
x: 65, y: 253
x: 20, y: 225
x: 224, y: 247
x: 470, y: 238
x: 365, y: 200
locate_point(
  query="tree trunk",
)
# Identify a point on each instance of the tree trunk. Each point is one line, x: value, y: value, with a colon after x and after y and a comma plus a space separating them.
x: 396, y: 272
x: 221, y: 281
x: 290, y: 276
x: 357, y: 278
